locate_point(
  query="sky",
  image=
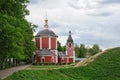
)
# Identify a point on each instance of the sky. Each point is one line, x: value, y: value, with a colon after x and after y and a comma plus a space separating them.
x: 90, y: 21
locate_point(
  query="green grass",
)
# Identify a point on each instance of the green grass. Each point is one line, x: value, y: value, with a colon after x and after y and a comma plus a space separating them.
x: 105, y: 67
x: 49, y: 66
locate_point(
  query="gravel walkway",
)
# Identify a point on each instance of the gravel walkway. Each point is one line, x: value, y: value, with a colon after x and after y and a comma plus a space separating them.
x: 7, y: 72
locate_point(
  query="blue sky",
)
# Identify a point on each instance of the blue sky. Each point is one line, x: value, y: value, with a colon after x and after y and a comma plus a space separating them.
x: 90, y: 21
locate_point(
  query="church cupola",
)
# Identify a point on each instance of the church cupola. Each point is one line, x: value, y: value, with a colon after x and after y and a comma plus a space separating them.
x: 69, y: 38
x: 46, y: 23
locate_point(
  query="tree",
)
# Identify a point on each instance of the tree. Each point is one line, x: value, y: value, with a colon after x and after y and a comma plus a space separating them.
x: 95, y: 49
x: 82, y: 50
x: 16, y: 32
x: 90, y: 51
x: 77, y: 52
x: 59, y: 48
x: 63, y: 48
x: 11, y: 38
x: 15, y: 8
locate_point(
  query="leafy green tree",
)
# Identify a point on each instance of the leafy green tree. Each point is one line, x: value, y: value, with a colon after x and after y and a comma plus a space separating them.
x: 77, y: 53
x: 95, y: 49
x: 16, y: 8
x: 90, y: 51
x: 11, y: 38
x: 16, y: 32
x: 82, y: 50
x: 63, y: 48
x: 59, y: 48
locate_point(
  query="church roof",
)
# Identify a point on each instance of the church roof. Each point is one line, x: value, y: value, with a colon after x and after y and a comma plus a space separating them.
x: 46, y: 32
x: 45, y: 52
x: 61, y: 54
x: 70, y: 38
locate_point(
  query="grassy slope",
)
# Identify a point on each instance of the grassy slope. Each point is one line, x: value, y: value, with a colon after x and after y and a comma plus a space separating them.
x: 105, y: 67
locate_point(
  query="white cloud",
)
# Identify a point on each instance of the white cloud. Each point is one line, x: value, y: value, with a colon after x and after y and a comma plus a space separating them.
x: 62, y: 40
x: 91, y: 21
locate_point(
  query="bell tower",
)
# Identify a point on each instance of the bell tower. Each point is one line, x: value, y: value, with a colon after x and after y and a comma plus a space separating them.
x: 70, y: 48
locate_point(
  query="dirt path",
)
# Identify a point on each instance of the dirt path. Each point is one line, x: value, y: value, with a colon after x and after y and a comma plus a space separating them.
x: 7, y: 72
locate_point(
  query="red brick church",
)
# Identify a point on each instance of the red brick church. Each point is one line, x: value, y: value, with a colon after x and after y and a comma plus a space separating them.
x: 46, y: 43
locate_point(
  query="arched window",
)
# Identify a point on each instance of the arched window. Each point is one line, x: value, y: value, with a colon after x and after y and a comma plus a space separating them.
x: 43, y: 59
x: 69, y: 45
x: 52, y: 60
x: 62, y: 60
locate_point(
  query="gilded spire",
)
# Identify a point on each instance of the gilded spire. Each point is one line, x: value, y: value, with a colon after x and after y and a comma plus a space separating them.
x: 46, y: 22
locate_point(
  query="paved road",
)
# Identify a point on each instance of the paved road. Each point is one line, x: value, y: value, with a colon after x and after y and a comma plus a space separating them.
x: 7, y: 72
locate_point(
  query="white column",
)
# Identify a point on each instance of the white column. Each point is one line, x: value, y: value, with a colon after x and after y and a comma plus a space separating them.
x: 56, y: 56
x: 73, y: 56
x: 66, y: 49
x: 49, y: 42
x: 56, y: 42
x: 40, y: 42
x: 66, y: 52
x: 56, y: 51
x: 67, y: 60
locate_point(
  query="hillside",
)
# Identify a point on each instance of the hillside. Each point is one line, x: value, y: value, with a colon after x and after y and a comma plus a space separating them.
x: 105, y: 67
x: 90, y: 59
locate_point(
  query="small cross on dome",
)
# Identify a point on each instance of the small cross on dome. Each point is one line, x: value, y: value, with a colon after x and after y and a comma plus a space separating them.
x: 69, y: 32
